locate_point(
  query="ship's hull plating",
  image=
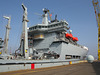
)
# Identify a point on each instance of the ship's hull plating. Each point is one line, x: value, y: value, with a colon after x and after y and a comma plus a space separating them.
x: 68, y: 49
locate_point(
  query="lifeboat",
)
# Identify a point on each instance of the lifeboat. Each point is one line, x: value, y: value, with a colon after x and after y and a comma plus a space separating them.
x: 69, y: 35
x: 75, y: 39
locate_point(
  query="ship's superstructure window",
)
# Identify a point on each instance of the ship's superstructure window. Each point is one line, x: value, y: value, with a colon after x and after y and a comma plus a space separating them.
x: 35, y: 27
x: 76, y: 57
x: 1, y: 41
x: 39, y: 26
x: 48, y: 26
x: 68, y: 56
x: 72, y: 57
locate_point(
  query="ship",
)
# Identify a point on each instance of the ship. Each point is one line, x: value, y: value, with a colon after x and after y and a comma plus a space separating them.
x: 54, y: 40
x: 51, y: 41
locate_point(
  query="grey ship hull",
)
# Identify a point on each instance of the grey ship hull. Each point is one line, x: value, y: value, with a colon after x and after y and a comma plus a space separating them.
x: 76, y: 52
x: 68, y: 50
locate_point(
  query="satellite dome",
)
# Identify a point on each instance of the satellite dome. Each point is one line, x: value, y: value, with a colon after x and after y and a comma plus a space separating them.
x: 90, y: 58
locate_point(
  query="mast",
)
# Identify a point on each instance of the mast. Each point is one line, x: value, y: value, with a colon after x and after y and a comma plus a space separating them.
x: 24, y: 38
x: 5, y: 51
x: 45, y: 17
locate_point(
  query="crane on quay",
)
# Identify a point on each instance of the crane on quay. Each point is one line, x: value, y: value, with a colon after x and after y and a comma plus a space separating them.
x: 97, y: 13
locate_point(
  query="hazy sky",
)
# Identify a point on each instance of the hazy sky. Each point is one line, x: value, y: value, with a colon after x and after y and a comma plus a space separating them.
x: 78, y: 13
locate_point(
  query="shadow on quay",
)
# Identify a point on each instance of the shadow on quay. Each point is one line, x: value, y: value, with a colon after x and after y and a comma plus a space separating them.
x: 96, y: 67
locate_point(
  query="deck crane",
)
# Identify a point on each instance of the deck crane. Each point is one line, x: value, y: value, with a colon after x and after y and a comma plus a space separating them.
x: 97, y: 13
x: 5, y: 51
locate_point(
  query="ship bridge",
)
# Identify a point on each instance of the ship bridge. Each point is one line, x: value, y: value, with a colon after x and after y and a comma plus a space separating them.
x: 52, y: 27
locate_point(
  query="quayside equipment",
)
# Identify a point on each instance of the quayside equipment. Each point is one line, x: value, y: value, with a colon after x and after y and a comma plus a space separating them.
x: 97, y: 13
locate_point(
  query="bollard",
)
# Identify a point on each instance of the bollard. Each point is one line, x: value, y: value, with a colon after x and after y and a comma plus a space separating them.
x: 70, y: 62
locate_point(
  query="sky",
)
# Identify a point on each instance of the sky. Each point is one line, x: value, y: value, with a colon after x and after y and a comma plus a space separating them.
x: 78, y: 13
